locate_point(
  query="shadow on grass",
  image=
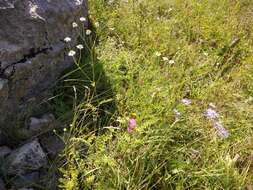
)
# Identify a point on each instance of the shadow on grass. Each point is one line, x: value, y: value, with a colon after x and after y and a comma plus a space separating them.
x: 84, y: 96
x: 83, y: 100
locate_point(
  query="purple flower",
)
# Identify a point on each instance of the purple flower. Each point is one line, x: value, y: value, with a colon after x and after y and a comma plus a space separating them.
x: 186, y: 101
x: 211, y: 114
x: 131, y: 125
x: 222, y: 132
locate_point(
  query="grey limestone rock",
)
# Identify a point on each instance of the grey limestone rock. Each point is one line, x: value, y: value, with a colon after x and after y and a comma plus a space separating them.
x: 38, y: 125
x: 52, y: 144
x: 32, y: 51
x: 26, y: 180
x: 27, y: 158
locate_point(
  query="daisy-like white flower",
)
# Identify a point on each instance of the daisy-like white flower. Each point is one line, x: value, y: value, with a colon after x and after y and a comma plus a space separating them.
x: 211, y: 114
x: 158, y: 54
x: 186, y: 101
x: 82, y: 19
x: 71, y: 53
x: 171, y: 62
x: 67, y: 39
x: 79, y: 46
x: 88, y: 32
x: 165, y: 59
x: 96, y: 24
x: 74, y: 25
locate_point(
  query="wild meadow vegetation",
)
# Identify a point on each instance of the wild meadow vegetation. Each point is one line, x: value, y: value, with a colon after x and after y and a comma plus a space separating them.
x: 161, y: 97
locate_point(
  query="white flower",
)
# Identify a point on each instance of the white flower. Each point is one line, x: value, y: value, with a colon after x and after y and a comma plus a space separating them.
x: 67, y: 39
x: 165, y: 59
x: 186, y: 101
x: 96, y: 24
x: 110, y: 2
x: 71, y: 53
x: 88, y: 32
x: 171, y: 62
x: 74, y: 25
x: 82, y: 19
x: 177, y: 114
x: 205, y: 54
x: 80, y: 46
x: 158, y: 54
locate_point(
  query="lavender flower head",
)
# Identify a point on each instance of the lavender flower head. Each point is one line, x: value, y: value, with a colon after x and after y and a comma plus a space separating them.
x: 222, y: 132
x: 211, y: 114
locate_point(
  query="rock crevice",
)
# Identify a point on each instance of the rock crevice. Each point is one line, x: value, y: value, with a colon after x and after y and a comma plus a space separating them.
x: 6, y: 74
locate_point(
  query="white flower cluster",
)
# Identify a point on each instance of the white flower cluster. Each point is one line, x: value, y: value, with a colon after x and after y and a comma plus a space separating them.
x: 88, y: 32
x: 165, y: 59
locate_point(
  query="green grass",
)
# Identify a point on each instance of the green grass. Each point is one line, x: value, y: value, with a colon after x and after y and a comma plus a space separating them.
x: 211, y: 44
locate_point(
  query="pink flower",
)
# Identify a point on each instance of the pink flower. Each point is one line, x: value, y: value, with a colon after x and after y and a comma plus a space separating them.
x: 129, y: 130
x: 132, y: 125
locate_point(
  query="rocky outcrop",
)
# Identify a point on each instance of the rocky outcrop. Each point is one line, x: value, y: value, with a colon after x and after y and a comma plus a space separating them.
x: 26, y: 180
x: 32, y: 51
x: 39, y: 125
x: 52, y: 144
x: 29, y: 157
x: 33, y: 55
x: 27, y: 165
